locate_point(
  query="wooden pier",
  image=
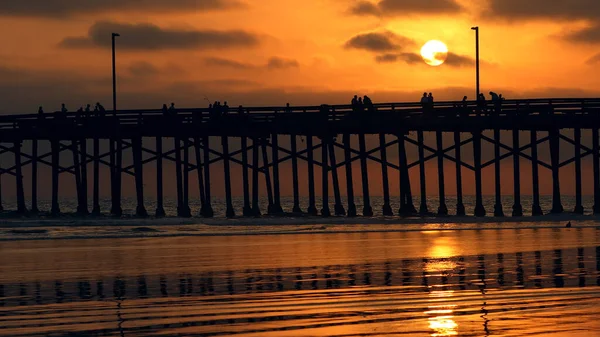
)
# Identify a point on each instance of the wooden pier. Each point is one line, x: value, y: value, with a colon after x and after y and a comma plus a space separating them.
x: 201, y: 139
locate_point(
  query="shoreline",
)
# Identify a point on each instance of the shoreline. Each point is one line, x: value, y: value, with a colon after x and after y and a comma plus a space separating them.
x: 107, y: 221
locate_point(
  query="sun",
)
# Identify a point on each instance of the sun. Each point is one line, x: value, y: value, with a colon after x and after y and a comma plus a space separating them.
x: 434, y: 52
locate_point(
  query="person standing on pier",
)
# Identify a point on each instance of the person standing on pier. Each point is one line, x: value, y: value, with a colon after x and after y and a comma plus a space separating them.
x: 424, y: 101
x: 359, y: 105
x: 41, y: 113
x: 225, y: 108
x: 354, y: 103
x: 368, y: 104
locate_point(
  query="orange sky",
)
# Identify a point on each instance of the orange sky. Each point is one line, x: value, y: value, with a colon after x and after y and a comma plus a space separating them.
x: 182, y: 50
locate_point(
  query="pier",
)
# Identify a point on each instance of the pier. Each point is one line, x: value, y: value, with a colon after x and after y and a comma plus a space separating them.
x: 194, y: 141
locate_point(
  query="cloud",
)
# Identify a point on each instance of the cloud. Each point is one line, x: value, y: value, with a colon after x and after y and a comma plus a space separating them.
x: 593, y: 60
x: 143, y: 68
x: 544, y: 9
x: 281, y: 63
x: 590, y: 34
x: 405, y: 7
x: 272, y: 63
x: 456, y: 60
x: 65, y: 8
x: 409, y: 58
x: 452, y: 60
x: 222, y: 62
x: 385, y: 41
x: 144, y: 36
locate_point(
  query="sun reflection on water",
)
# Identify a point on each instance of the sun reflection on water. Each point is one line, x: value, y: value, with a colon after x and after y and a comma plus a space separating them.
x: 441, y: 317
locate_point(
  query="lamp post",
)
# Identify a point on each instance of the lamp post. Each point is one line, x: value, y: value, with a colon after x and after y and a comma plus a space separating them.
x: 476, y: 29
x: 114, y: 75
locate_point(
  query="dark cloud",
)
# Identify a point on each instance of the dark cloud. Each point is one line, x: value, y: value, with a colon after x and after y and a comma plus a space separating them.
x: 590, y: 34
x: 385, y: 41
x: 544, y: 9
x: 144, y: 36
x: 62, y: 8
x: 222, y: 62
x: 593, y: 60
x: 409, y: 58
x: 405, y: 7
x: 455, y: 60
x: 281, y: 63
x: 143, y: 69
x: 273, y: 63
x: 452, y: 60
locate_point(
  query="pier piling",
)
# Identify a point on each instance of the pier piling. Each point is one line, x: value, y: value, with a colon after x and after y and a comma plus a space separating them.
x: 421, y: 141
x: 498, y: 211
x: 443, y: 209
x: 295, y: 184
x: 229, y: 212
x: 160, y: 210
x: 349, y: 180
x: 460, y: 207
x: 517, y: 208
x: 312, y: 207
x: 536, y: 209
x: 387, y: 208
x: 367, y: 209
x: 247, y: 210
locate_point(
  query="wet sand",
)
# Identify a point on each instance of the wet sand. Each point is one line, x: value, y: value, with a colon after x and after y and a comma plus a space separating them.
x: 469, y: 282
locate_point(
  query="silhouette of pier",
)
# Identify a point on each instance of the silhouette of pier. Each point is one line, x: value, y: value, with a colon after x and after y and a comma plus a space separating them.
x: 200, y: 140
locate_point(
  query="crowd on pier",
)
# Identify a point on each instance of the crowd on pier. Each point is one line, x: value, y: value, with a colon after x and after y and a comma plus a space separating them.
x: 358, y: 104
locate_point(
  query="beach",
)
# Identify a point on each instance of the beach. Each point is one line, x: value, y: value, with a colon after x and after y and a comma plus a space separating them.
x: 466, y: 279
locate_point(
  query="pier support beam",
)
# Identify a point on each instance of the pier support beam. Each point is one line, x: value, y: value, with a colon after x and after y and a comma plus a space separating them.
x: 295, y: 184
x: 555, y: 162
x: 136, y: 147
x: 276, y: 188
x: 269, y: 186
x: 479, y: 209
x: 421, y: 141
x: 84, y: 175
x: 55, y: 148
x: 536, y: 209
x: 517, y: 208
x: 325, y: 177
x: 34, y: 167
x: 200, y: 174
x: 460, y: 207
x: 208, y: 210
x: 443, y: 209
x: 498, y: 211
x: 186, y: 211
x: 578, y: 198
x: 349, y: 180
x: 367, y: 209
x: 596, y: 165
x: 81, y: 208
x: 247, y: 210
x: 178, y: 177
x: 312, y: 207
x: 406, y: 203
x: 338, y: 207
x: 230, y: 213
x: 160, y: 210
x: 255, y: 164
x: 96, y: 187
x: 118, y: 211
x: 387, y: 208
x: 21, y: 208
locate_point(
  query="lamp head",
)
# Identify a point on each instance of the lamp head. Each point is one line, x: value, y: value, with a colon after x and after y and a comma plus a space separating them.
x: 115, y: 34
x: 475, y: 28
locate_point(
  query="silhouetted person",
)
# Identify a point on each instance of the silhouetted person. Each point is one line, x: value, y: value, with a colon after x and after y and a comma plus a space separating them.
x: 424, y: 101
x: 172, y: 110
x: 63, y: 111
x: 165, y: 110
x: 494, y: 96
x: 481, y: 103
x: 40, y: 113
x: 287, y: 108
x: 355, y: 103
x: 568, y: 224
x: 464, y: 109
x: 430, y: 100
x: 225, y: 108
x: 368, y: 104
x: 359, y: 105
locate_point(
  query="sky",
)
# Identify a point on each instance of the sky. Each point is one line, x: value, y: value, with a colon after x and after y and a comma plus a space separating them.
x: 297, y: 51
x: 303, y: 52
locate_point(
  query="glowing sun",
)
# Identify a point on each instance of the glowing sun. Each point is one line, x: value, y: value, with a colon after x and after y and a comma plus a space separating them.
x: 434, y: 52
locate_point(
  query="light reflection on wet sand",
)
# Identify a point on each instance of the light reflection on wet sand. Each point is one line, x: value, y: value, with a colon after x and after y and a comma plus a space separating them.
x: 461, y: 283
